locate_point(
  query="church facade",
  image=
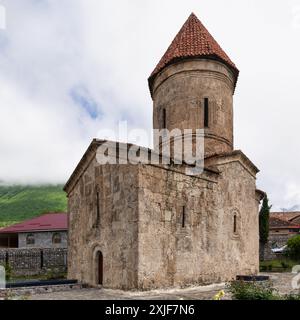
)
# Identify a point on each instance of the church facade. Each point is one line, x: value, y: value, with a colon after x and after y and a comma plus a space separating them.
x: 144, y: 226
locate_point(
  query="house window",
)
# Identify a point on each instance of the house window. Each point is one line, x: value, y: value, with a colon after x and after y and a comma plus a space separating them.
x: 183, y: 217
x: 30, y: 241
x: 206, y: 112
x: 164, y: 115
x: 56, y: 238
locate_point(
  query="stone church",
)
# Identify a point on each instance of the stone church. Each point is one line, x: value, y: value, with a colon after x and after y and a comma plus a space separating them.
x: 144, y: 226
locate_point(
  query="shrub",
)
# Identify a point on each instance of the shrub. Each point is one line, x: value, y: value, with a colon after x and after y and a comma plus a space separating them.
x: 270, y: 267
x: 8, y: 271
x: 53, y: 274
x: 292, y: 296
x: 284, y: 265
x: 263, y: 268
x: 242, y: 290
x: 293, y: 248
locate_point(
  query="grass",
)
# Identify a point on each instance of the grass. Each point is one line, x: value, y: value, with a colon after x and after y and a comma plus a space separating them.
x: 19, y: 203
x: 242, y: 290
x: 279, y: 265
x: 50, y: 275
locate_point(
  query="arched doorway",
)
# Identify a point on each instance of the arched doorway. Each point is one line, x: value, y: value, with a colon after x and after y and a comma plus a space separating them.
x: 99, y: 261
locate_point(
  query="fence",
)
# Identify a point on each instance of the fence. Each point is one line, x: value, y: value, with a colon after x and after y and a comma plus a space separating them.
x: 34, y: 261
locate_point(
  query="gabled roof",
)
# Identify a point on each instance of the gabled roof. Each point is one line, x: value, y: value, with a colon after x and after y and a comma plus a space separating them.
x: 193, y: 41
x: 286, y: 216
x: 46, y: 222
x: 235, y: 155
x: 277, y: 223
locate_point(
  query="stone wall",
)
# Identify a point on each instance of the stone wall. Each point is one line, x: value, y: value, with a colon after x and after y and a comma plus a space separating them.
x: 133, y: 215
x: 180, y: 90
x: 34, y: 261
x: 205, y: 248
x: 25, y: 293
x: 111, y: 229
x: 43, y: 240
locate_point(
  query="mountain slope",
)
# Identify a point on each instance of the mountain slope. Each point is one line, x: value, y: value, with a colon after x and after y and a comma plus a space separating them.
x: 18, y: 203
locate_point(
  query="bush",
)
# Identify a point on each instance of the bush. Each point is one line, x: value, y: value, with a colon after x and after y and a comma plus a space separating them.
x: 292, y: 297
x: 284, y: 265
x: 270, y: 267
x: 293, y: 248
x: 263, y: 268
x: 53, y: 274
x: 242, y: 290
x: 8, y: 272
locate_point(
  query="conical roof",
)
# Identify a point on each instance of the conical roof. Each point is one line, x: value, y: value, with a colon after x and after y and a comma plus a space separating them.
x: 193, y: 40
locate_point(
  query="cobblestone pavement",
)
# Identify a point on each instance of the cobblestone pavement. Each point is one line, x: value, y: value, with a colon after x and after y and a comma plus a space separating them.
x: 281, y: 281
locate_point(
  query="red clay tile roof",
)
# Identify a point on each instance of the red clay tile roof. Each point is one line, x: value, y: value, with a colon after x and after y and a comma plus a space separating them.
x: 287, y: 216
x: 46, y: 222
x: 193, y: 40
x: 277, y: 223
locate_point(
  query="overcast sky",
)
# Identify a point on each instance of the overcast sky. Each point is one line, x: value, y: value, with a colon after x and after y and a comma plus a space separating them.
x: 70, y: 68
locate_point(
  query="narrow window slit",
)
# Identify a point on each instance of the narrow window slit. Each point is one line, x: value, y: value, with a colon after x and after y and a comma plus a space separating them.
x: 235, y: 223
x: 98, y: 208
x: 183, y: 217
x: 164, y: 119
x: 206, y: 112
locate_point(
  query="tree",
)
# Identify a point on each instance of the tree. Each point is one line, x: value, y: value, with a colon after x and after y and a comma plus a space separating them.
x: 293, y: 250
x: 264, y: 216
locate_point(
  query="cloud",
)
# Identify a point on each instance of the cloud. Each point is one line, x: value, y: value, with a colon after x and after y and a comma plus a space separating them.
x: 69, y: 69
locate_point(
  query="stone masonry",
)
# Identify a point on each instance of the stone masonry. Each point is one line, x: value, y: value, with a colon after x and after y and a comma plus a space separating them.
x: 145, y: 226
x: 29, y: 262
x: 43, y: 240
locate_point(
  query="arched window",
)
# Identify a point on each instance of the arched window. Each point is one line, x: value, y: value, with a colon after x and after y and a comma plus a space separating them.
x: 236, y: 223
x: 56, y: 238
x: 30, y: 240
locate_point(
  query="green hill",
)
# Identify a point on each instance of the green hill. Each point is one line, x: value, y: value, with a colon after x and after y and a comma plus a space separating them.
x: 18, y: 203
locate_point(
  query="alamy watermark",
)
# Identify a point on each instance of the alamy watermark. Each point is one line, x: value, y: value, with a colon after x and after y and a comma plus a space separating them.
x: 2, y: 17
x: 175, y: 147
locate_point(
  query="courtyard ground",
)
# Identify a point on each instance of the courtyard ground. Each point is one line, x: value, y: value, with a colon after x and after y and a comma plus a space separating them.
x: 281, y: 281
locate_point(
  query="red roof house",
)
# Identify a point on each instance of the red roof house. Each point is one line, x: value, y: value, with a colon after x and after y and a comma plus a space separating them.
x: 43, y: 231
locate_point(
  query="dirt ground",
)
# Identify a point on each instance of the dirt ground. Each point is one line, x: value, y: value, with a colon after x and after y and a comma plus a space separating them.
x: 281, y: 281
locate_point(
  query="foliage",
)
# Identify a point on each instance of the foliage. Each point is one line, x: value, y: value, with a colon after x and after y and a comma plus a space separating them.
x: 242, y: 290
x: 278, y: 265
x: 53, y: 274
x: 19, y: 203
x: 292, y: 296
x: 264, y: 216
x: 293, y: 248
x: 8, y: 271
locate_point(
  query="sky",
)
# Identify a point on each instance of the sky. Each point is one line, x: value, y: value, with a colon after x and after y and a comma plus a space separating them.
x: 70, y: 69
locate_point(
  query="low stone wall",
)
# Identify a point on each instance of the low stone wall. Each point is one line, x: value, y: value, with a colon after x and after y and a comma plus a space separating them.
x: 23, y: 293
x: 29, y: 262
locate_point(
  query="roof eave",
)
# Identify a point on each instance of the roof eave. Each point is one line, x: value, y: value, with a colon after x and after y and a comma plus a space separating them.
x: 155, y: 73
